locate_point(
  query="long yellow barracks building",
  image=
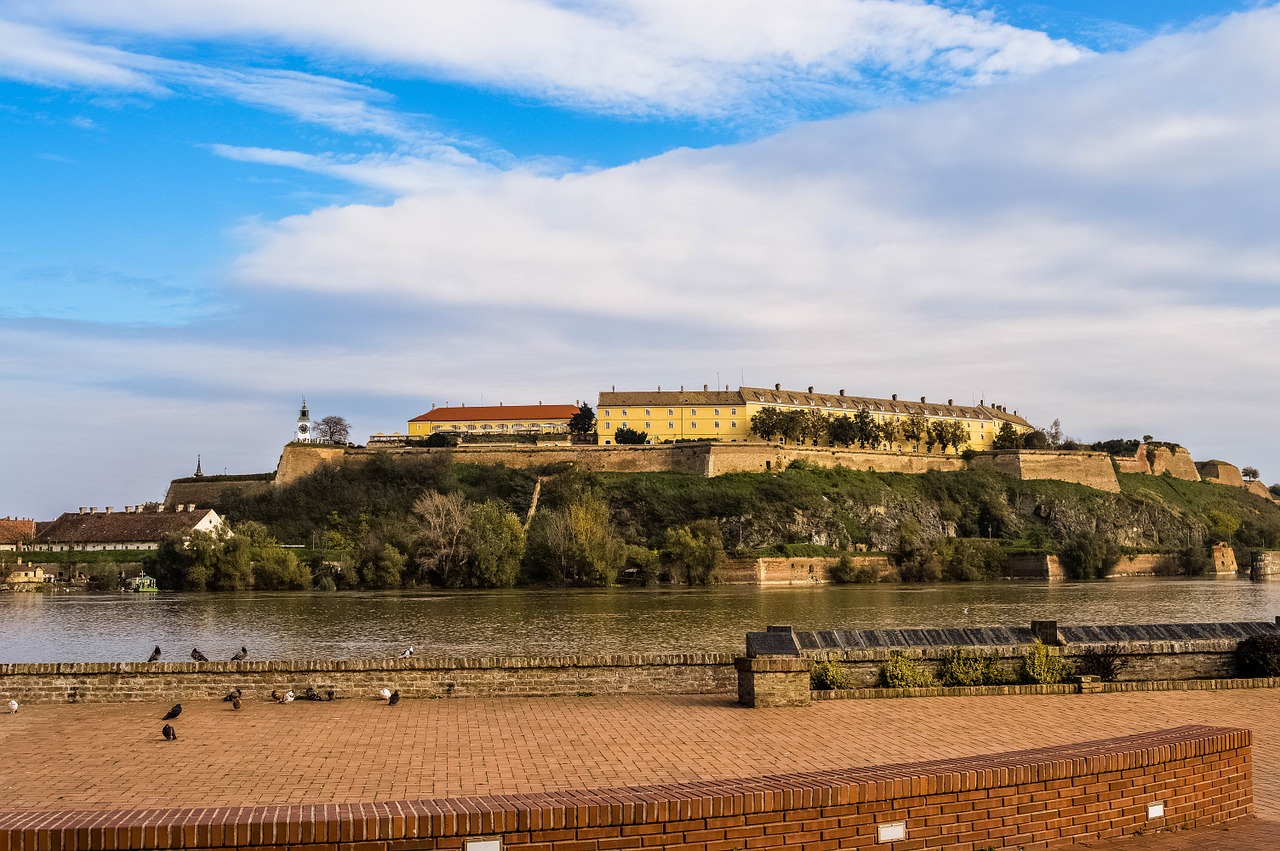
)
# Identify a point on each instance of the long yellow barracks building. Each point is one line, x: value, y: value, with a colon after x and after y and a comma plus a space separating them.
x: 726, y: 414
x: 493, y: 419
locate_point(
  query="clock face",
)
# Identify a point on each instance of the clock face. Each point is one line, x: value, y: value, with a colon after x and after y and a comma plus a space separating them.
x: 303, y: 428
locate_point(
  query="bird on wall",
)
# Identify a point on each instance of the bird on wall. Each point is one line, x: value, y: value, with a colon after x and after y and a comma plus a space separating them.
x: 13, y: 707
x: 408, y: 651
x: 173, y: 713
x: 385, y: 694
x: 288, y: 697
x: 329, y: 695
x: 155, y: 654
x: 232, y: 695
x: 239, y: 657
x: 170, y: 734
x: 198, y: 656
x: 235, y: 703
x: 394, y: 699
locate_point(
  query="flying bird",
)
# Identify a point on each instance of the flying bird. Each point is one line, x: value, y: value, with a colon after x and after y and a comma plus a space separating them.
x: 170, y: 734
x: 385, y: 693
x: 13, y: 707
x: 408, y: 651
x: 198, y: 656
x: 235, y: 703
x: 395, y: 698
x: 155, y: 654
x: 232, y: 695
x: 173, y: 713
x: 239, y: 657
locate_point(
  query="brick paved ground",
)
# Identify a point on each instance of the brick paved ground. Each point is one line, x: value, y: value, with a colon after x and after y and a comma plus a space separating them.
x: 112, y: 756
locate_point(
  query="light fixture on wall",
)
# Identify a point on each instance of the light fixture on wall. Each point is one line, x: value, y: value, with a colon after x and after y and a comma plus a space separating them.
x: 482, y: 845
x: 1155, y: 810
x: 891, y: 831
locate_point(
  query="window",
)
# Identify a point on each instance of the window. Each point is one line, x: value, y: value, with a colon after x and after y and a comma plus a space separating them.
x: 717, y: 426
x: 624, y: 413
x: 606, y: 424
x: 671, y: 412
x: 733, y: 412
x: 646, y: 412
x: 717, y: 412
x: 693, y: 425
x: 671, y: 425
x: 606, y: 412
x: 648, y: 426
x: 624, y: 425
x: 733, y: 424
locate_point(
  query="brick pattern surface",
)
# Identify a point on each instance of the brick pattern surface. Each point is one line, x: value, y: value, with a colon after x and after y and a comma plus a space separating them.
x: 111, y: 757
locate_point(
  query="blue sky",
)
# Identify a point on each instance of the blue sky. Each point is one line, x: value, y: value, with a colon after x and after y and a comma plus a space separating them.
x: 210, y: 209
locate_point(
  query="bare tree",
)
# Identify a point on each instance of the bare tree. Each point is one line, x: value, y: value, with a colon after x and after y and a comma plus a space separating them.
x: 441, y: 536
x: 333, y: 429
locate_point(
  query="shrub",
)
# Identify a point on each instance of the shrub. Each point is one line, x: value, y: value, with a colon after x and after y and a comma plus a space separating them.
x: 1105, y: 663
x: 1258, y: 656
x: 901, y: 671
x: 1043, y: 666
x: 845, y: 572
x: 1089, y: 557
x: 964, y: 667
x: 827, y: 676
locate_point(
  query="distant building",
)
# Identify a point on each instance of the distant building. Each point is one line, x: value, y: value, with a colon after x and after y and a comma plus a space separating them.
x: 135, y: 528
x: 493, y: 419
x: 16, y: 533
x: 24, y: 574
x: 726, y: 414
x: 305, y: 431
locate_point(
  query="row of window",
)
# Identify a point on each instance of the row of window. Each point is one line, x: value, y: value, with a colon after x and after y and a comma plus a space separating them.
x: 671, y: 412
x: 693, y: 425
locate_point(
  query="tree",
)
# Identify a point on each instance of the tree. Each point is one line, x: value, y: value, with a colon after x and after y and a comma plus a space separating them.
x: 1275, y: 491
x: 575, y: 545
x: 891, y: 431
x: 494, y: 541
x: 1250, y: 474
x: 630, y: 437
x: 914, y: 429
x: 842, y: 430
x: 1036, y: 439
x: 333, y: 429
x: 1006, y: 437
x: 766, y: 423
x: 583, y: 422
x: 697, y: 548
x: 381, y: 567
x: 279, y: 570
x: 440, y: 538
x: 1055, y: 434
x: 865, y: 429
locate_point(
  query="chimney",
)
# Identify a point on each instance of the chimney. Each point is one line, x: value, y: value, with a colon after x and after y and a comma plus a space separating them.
x: 982, y: 403
x: 614, y: 387
x: 922, y: 399
x: 951, y: 401
x: 659, y: 388
x: 842, y: 391
x: 160, y: 508
x: 93, y: 509
x: 84, y: 510
x: 178, y: 508
x: 681, y: 388
x: 704, y: 388
x: 895, y: 397
x: 810, y: 388
x: 191, y: 506
x: 777, y: 387
x: 109, y: 509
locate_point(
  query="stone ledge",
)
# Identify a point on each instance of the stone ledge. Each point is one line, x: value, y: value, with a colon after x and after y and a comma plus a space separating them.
x: 1054, y: 688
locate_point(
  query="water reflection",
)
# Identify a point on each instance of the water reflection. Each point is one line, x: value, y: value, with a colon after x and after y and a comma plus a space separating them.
x: 53, y: 628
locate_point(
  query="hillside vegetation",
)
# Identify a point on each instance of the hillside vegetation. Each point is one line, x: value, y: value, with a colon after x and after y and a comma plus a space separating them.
x: 394, y: 521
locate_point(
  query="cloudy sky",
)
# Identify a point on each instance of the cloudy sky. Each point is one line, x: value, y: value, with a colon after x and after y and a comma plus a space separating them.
x: 211, y: 209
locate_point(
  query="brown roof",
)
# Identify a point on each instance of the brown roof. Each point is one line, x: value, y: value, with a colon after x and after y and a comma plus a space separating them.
x: 762, y: 396
x: 661, y: 398
x: 119, y: 527
x: 497, y: 412
x: 15, y: 531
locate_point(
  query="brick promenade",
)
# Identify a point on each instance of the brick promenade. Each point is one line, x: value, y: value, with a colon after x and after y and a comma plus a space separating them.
x: 89, y: 757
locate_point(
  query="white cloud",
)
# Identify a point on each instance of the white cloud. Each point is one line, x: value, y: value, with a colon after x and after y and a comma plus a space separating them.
x: 36, y: 55
x: 710, y: 58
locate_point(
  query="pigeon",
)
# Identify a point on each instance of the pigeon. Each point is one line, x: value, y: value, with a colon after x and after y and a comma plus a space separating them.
x: 328, y: 695
x: 394, y: 699
x: 385, y: 693
x: 13, y: 707
x: 173, y: 713
x: 288, y: 697
x: 277, y: 696
x: 232, y: 695
x: 312, y: 694
x: 235, y: 703
x: 170, y: 734
x: 198, y: 656
x: 408, y: 651
x: 155, y: 654
x: 239, y: 657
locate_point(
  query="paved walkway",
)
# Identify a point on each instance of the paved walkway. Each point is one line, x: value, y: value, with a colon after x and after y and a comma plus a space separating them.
x: 112, y: 756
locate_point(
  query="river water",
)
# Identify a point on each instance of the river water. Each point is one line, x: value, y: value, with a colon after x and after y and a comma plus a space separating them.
x: 124, y: 627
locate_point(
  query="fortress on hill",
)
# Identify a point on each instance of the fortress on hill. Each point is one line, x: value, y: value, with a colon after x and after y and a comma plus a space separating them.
x: 708, y: 433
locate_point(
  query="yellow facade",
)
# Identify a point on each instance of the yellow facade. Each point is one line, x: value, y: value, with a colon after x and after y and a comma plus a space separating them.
x: 493, y: 419
x: 726, y: 414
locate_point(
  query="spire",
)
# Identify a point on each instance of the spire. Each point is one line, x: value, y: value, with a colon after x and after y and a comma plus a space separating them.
x: 304, y: 414
x: 198, y: 472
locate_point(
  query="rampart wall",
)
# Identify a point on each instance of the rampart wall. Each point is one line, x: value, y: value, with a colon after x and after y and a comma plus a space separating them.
x: 1040, y: 798
x: 1220, y: 472
x: 118, y: 682
x: 209, y: 491
x: 813, y: 571
x: 1093, y: 469
x: 300, y: 459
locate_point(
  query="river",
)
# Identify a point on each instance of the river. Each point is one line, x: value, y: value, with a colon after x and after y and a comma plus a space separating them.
x: 347, y: 625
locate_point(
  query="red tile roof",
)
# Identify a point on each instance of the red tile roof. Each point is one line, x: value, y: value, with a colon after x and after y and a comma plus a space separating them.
x: 120, y: 527
x: 15, y: 531
x: 497, y: 412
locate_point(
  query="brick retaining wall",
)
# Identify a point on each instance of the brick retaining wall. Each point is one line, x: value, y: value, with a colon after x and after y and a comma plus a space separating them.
x: 114, y: 682
x: 1039, y: 798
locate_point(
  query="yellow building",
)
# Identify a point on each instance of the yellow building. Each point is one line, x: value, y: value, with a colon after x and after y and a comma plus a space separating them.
x: 493, y: 419
x: 726, y: 414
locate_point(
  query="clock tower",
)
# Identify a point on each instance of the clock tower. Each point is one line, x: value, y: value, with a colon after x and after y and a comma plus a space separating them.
x: 306, y: 430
